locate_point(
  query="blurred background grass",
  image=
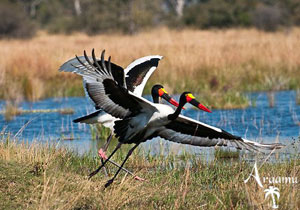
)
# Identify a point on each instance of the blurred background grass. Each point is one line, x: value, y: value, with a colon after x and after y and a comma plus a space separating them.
x: 216, y: 49
x: 217, y: 64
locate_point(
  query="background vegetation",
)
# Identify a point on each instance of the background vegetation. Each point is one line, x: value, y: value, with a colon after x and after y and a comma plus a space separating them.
x: 217, y: 64
x: 217, y: 48
x: 131, y: 16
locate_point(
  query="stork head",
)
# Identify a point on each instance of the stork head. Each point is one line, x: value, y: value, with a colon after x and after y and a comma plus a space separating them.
x: 187, y: 97
x: 159, y: 91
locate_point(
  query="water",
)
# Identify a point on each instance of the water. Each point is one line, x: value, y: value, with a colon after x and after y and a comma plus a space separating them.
x: 259, y: 123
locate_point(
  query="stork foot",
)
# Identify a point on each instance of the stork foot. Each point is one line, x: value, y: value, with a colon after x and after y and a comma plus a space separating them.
x: 139, y: 178
x: 109, y: 182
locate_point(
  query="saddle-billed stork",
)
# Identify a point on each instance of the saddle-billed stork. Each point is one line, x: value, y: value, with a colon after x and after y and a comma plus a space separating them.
x: 137, y: 74
x: 142, y: 120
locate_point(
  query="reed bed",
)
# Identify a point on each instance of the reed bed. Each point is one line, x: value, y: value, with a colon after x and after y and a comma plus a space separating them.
x: 215, y: 64
x: 12, y: 110
x: 39, y: 176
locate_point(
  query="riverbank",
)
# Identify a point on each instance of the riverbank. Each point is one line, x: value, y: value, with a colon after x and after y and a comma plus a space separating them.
x: 44, y: 177
x: 217, y: 64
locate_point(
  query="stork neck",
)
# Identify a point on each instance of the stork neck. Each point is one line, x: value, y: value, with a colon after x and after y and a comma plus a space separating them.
x: 155, y: 98
x: 177, y: 112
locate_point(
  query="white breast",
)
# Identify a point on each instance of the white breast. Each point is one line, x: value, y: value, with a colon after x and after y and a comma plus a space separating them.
x: 158, y: 118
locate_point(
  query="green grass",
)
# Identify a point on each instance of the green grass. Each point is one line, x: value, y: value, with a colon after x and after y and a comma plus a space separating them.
x: 226, y: 154
x: 42, y: 176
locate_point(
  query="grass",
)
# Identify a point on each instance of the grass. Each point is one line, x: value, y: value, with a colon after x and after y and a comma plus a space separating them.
x: 220, y: 64
x: 45, y: 177
x: 11, y: 110
x: 226, y: 154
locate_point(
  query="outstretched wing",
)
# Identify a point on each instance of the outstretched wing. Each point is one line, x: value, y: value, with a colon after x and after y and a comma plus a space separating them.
x: 117, y: 71
x: 139, y: 72
x: 71, y: 66
x: 106, y: 92
x: 185, y: 130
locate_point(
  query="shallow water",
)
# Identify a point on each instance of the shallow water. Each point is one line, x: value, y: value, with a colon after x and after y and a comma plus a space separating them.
x: 259, y: 122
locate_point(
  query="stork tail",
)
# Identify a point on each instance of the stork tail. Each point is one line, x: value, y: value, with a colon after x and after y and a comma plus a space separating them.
x: 89, y: 119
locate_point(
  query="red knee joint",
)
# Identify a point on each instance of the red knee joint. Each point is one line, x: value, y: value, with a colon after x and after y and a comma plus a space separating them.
x: 102, y: 154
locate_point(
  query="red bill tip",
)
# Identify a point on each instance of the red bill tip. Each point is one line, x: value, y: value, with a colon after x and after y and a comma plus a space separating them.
x: 200, y: 106
x: 175, y: 103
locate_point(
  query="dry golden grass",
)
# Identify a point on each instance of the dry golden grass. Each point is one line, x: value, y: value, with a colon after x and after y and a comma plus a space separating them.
x: 43, y: 177
x: 11, y: 110
x: 199, y: 61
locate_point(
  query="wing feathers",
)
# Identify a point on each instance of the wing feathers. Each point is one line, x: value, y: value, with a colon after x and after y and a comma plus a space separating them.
x: 188, y: 131
x: 99, y: 69
x: 105, y: 90
x: 139, y: 71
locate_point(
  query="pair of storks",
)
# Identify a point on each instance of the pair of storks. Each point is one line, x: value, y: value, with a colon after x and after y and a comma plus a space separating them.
x: 117, y: 93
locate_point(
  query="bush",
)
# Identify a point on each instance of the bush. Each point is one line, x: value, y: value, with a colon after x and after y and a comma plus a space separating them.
x: 267, y: 18
x: 218, y: 14
x: 14, y: 23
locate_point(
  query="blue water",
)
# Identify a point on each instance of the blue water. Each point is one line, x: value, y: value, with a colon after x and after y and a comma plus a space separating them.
x: 259, y: 122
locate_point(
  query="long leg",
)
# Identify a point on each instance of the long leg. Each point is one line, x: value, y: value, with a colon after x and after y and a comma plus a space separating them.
x: 127, y: 156
x: 98, y: 169
x: 108, y: 141
x: 103, y: 157
x: 102, y: 151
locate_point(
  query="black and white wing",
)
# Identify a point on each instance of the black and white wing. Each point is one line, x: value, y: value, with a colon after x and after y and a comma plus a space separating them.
x: 117, y: 71
x: 138, y: 73
x: 71, y: 66
x: 105, y: 91
x: 185, y: 130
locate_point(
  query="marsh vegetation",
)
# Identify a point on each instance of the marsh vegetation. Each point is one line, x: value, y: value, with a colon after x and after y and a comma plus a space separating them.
x: 219, y: 65
x: 43, y: 176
